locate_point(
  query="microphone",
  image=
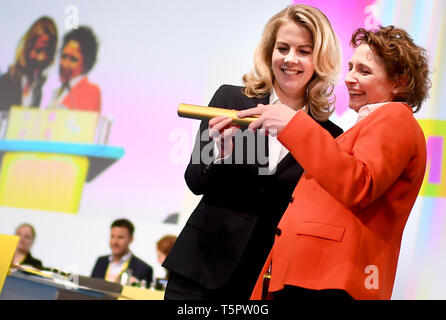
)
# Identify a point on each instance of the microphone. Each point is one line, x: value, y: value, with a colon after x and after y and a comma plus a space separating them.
x: 205, y: 113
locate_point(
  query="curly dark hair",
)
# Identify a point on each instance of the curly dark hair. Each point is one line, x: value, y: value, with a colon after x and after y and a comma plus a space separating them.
x: 88, y: 44
x: 402, y: 59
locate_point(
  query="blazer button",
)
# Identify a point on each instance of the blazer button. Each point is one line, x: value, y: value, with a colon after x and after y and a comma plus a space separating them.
x: 291, y: 199
x: 278, y: 232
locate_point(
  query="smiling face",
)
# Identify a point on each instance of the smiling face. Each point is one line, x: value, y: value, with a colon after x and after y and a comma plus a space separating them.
x: 39, y: 57
x: 71, y: 61
x: 292, y: 60
x: 367, y: 80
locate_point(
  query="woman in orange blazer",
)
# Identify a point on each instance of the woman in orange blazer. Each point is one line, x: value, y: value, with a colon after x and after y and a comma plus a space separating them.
x: 341, y: 234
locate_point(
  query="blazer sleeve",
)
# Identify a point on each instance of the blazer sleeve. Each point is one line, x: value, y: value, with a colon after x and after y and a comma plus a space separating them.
x: 99, y: 268
x: 148, y: 275
x: 141, y: 270
x: 201, y: 164
x: 89, y: 97
x: 30, y: 260
x: 97, y: 99
x: 358, y: 176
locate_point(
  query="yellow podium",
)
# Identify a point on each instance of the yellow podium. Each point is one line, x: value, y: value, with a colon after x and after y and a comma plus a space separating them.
x: 48, y: 155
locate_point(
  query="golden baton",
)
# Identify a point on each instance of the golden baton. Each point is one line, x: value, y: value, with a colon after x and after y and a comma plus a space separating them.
x: 205, y: 113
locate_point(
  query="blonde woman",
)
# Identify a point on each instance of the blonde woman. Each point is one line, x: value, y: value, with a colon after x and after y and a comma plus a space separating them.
x: 22, y: 84
x: 23, y: 256
x: 246, y: 181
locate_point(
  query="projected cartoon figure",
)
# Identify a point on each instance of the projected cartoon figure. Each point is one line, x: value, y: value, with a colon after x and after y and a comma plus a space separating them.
x: 78, y: 56
x: 22, y: 84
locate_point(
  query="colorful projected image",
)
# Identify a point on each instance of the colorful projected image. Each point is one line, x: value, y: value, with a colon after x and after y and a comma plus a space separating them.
x: 71, y: 116
x: 89, y: 92
x: 78, y: 56
x: 22, y: 83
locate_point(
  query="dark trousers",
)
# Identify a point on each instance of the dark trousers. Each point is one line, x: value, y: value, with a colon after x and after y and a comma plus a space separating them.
x: 239, y: 285
x: 292, y: 293
x: 182, y: 288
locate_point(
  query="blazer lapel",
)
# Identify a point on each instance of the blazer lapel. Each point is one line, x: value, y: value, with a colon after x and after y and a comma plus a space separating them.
x: 131, y: 265
x: 264, y: 100
x: 287, y: 161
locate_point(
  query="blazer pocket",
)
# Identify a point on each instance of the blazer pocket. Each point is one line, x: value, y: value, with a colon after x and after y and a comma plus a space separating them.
x: 206, y: 221
x: 321, y: 230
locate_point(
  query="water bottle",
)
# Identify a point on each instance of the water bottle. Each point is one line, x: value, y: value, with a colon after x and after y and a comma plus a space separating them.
x: 125, y: 277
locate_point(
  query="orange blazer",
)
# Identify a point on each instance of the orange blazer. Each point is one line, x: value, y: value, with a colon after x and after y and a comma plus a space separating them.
x: 344, y: 224
x: 84, y: 96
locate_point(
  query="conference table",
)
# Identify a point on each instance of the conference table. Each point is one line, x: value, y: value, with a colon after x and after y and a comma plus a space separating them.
x: 23, y: 286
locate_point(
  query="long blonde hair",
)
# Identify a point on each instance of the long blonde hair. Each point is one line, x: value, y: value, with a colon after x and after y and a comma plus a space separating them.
x: 42, y: 25
x: 319, y: 97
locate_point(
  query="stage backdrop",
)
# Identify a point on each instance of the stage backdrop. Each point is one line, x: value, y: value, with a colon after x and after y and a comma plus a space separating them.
x: 154, y: 55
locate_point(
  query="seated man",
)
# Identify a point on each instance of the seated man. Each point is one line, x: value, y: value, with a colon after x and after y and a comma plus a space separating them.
x: 112, y: 267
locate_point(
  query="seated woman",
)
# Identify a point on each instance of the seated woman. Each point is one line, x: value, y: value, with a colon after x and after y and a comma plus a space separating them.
x: 341, y: 235
x: 163, y: 247
x: 23, y: 255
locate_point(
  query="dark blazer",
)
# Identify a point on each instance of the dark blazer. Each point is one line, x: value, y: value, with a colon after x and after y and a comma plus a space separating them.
x: 140, y: 269
x: 11, y: 91
x: 230, y: 232
x: 31, y: 261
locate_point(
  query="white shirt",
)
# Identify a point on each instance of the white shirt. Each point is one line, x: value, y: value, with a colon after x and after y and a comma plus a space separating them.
x: 57, y: 98
x: 27, y: 100
x: 366, y: 110
x: 276, y: 151
x: 115, y: 268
